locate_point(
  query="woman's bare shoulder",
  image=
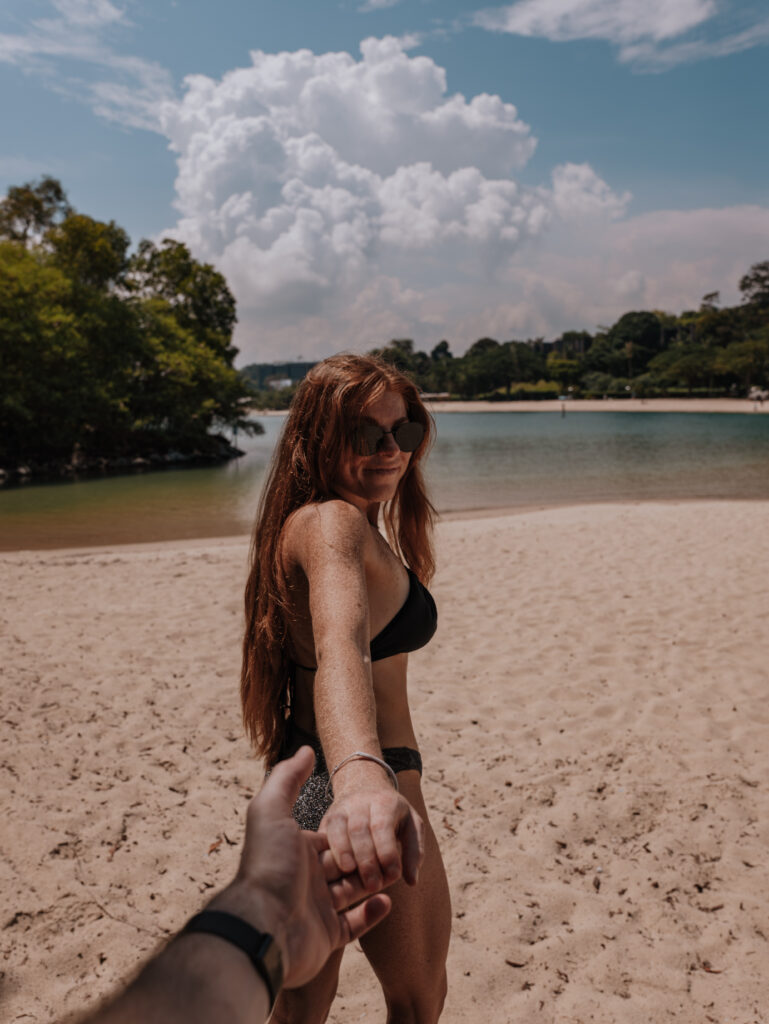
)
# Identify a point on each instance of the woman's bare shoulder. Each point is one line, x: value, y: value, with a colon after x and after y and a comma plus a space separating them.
x: 327, y: 531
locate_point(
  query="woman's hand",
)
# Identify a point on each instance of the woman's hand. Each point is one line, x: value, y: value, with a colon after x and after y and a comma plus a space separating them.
x: 373, y: 829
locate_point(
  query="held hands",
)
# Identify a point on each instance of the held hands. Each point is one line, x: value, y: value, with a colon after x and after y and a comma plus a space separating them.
x: 289, y: 884
x: 372, y: 828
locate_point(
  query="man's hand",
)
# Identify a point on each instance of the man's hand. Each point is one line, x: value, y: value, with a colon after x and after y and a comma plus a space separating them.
x: 290, y: 886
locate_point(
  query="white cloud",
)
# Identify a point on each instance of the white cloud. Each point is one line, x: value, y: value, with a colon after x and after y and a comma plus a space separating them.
x: 125, y: 89
x: 648, y: 33
x: 377, y: 5
x: 348, y: 201
x: 619, y: 21
x: 648, y: 57
x: 337, y: 194
x: 579, y: 194
x: 89, y: 13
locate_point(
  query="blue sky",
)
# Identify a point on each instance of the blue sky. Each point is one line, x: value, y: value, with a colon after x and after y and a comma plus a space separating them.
x: 512, y: 170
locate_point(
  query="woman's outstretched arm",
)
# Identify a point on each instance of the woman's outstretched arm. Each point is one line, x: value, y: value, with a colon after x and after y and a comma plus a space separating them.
x: 370, y: 827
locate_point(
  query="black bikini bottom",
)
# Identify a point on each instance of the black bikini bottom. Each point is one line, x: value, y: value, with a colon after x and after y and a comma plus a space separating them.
x: 312, y: 802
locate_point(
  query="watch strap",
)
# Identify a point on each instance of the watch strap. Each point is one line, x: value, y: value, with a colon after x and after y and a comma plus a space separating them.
x: 260, y: 947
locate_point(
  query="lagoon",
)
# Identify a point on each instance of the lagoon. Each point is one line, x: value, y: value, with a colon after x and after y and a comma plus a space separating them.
x: 481, y: 461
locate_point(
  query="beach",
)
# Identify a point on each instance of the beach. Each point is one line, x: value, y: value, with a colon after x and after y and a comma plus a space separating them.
x: 700, y: 405
x: 592, y: 717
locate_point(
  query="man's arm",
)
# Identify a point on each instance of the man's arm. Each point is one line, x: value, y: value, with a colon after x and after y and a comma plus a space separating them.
x: 287, y: 885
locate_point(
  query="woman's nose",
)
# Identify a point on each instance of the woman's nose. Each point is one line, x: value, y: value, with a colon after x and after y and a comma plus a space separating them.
x: 388, y: 443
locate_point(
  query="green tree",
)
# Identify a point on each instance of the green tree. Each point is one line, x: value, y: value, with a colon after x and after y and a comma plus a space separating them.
x: 747, y: 361
x: 90, y: 364
x: 566, y: 371
x: 689, y: 364
x: 755, y: 285
x: 43, y: 352
x: 201, y: 300
x: 91, y: 253
x: 29, y: 210
x: 400, y: 352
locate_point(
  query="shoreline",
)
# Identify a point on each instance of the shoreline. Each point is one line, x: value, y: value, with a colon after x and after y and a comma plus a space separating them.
x: 217, y: 542
x: 699, y: 405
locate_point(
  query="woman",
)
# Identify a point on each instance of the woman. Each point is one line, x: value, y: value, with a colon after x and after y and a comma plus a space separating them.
x: 323, y: 583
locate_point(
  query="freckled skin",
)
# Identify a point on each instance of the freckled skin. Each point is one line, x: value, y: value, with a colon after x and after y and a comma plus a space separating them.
x: 346, y: 585
x: 368, y: 481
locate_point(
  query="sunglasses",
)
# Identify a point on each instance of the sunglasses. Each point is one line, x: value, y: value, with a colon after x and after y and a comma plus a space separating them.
x: 368, y: 439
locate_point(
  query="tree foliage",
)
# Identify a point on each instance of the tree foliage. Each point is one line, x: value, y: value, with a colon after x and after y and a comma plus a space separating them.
x: 711, y: 350
x: 105, y: 355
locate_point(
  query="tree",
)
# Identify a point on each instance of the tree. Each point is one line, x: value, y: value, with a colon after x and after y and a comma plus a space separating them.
x: 573, y: 343
x: 400, y: 352
x: 93, y: 254
x: 197, y: 292
x: 441, y: 352
x: 689, y: 363
x: 89, y: 363
x: 566, y: 371
x: 755, y: 285
x: 29, y: 210
x: 43, y: 351
x: 747, y: 361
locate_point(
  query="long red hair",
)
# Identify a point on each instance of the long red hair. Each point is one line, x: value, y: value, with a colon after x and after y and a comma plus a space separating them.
x: 315, y: 438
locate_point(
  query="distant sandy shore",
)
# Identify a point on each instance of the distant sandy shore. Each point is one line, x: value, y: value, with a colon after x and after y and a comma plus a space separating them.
x: 593, y: 405
x: 592, y: 716
x: 610, y: 405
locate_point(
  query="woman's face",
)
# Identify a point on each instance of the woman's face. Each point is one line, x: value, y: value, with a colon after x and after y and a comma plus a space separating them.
x: 368, y: 480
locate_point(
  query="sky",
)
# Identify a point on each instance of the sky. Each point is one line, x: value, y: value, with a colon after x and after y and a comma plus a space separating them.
x: 362, y: 170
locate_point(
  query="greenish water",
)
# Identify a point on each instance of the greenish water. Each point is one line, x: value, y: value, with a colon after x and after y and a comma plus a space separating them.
x: 480, y: 461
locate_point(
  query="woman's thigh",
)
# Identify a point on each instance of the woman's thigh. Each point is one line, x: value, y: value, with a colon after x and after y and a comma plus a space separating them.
x: 408, y: 949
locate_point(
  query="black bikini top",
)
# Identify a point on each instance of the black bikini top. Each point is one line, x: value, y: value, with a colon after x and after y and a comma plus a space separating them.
x: 412, y: 627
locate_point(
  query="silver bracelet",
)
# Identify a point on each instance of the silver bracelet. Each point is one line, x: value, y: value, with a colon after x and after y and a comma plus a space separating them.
x: 361, y: 755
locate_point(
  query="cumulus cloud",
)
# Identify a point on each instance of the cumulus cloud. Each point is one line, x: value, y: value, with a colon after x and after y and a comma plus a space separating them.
x: 579, y: 194
x: 647, y: 32
x: 352, y: 200
x: 320, y: 182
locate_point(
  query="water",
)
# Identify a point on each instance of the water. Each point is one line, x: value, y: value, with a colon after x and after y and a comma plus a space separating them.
x: 481, y: 460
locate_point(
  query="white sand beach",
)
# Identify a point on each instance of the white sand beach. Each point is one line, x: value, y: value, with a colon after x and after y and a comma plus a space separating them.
x: 592, y: 716
x: 701, y: 405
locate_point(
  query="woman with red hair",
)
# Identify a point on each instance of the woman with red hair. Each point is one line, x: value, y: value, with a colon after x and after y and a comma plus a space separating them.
x: 332, y: 610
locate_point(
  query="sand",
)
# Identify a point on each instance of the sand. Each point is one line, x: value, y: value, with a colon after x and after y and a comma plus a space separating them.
x: 593, y: 722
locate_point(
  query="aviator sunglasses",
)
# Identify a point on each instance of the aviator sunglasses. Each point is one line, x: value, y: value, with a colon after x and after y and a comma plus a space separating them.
x: 369, y: 437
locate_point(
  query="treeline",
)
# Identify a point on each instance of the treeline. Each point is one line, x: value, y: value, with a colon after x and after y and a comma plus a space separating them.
x: 710, y: 351
x: 108, y: 359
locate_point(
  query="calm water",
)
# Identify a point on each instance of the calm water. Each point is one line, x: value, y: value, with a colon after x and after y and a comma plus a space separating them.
x: 480, y: 461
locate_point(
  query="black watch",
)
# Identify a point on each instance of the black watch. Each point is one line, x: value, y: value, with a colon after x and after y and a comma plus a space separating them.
x: 260, y: 947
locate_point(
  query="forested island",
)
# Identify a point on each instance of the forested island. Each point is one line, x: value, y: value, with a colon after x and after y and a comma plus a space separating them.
x: 108, y: 360
x: 708, y: 352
